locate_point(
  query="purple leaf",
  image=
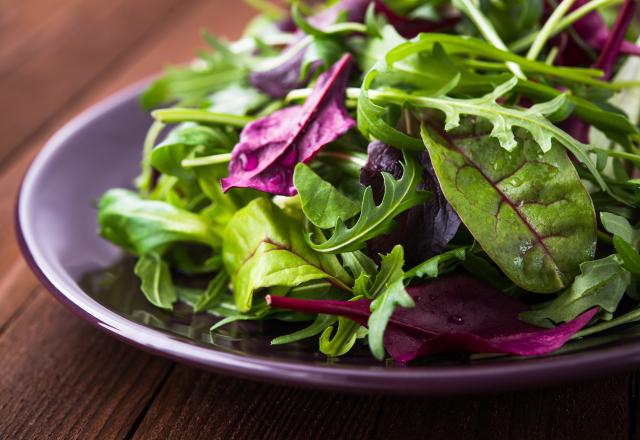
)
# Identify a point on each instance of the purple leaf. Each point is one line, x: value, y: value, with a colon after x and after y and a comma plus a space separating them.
x: 424, y: 230
x: 270, y: 148
x: 285, y: 77
x: 452, y: 314
x: 593, y: 30
x: 614, y: 42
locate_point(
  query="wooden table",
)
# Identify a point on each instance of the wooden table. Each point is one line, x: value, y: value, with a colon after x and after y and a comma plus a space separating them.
x: 61, y: 378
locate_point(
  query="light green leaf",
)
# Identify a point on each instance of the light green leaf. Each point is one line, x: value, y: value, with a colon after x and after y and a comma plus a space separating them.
x: 319, y: 325
x: 399, y: 195
x: 156, y: 283
x: 528, y: 210
x: 620, y: 226
x: 321, y: 202
x: 602, y: 283
x: 389, y: 292
x: 265, y: 248
x: 438, y: 264
x: 142, y: 226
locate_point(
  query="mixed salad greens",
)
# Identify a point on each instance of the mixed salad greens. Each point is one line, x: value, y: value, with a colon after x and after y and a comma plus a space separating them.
x: 421, y: 176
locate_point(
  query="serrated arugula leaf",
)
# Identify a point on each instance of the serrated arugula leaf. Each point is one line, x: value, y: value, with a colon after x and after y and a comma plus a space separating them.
x: 601, y: 283
x: 321, y: 202
x: 156, y: 283
x: 399, y: 195
x: 389, y: 293
x: 438, y: 264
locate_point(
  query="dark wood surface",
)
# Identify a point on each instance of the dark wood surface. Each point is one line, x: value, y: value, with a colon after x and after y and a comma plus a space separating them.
x: 61, y: 378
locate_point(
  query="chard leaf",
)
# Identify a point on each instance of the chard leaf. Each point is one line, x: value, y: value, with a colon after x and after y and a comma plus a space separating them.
x: 263, y: 247
x: 142, y: 226
x: 156, y: 283
x: 321, y: 202
x: 602, y: 283
x: 270, y: 147
x: 399, y: 195
x: 452, y: 314
x: 528, y: 210
x: 389, y: 292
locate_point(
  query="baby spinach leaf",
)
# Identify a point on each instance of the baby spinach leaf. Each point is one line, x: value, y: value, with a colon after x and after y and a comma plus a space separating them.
x: 142, y: 226
x: 321, y: 202
x: 452, y: 314
x: 263, y: 247
x: 237, y: 99
x: 167, y: 157
x: 399, y: 195
x: 156, y: 283
x: 602, y: 283
x: 389, y: 284
x: 528, y: 210
x: 270, y: 147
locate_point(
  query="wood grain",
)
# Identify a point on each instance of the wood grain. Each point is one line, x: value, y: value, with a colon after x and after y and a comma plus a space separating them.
x: 194, y: 404
x: 68, y: 50
x: 61, y: 378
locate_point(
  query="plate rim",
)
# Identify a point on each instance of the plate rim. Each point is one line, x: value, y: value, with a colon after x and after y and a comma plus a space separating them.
x: 423, y: 380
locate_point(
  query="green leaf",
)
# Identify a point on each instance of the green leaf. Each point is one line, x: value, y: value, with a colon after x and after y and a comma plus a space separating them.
x: 620, y: 226
x: 263, y: 247
x: 389, y: 292
x: 374, y: 220
x: 528, y: 210
x: 438, y: 264
x: 602, y: 283
x: 214, y: 291
x: 359, y: 264
x: 342, y: 341
x: 181, y: 142
x: 142, y: 226
x: 237, y: 99
x: 321, y: 202
x: 629, y: 255
x: 318, y: 326
x: 156, y: 283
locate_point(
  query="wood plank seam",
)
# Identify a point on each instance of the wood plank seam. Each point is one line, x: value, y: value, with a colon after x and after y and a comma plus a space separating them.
x: 20, y: 310
x: 145, y: 410
x: 14, y: 153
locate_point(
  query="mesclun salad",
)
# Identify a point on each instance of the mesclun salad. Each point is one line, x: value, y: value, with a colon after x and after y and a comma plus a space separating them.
x: 418, y: 176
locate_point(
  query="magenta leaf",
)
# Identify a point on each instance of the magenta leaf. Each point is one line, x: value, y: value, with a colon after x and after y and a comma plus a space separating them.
x: 451, y: 314
x: 593, y: 30
x: 270, y: 148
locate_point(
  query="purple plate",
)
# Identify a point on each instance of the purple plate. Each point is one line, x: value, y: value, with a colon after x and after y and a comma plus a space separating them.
x: 56, y: 226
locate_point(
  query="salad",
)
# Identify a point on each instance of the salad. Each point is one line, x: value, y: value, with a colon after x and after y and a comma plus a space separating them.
x: 415, y: 176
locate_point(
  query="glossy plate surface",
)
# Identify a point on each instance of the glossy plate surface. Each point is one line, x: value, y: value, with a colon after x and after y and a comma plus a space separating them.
x: 56, y: 226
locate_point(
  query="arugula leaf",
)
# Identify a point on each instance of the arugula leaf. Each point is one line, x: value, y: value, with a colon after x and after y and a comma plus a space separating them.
x: 389, y: 284
x: 602, y: 283
x: 438, y: 264
x: 321, y: 202
x: 399, y: 195
x: 620, y: 226
x: 156, y: 285
x: 265, y: 248
x: 528, y: 211
x: 319, y: 325
x: 342, y: 341
x: 142, y: 226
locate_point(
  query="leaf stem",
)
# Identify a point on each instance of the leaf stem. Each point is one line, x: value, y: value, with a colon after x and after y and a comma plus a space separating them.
x: 177, y: 115
x: 631, y: 316
x: 564, y: 23
x: 487, y: 30
x: 547, y: 29
x: 144, y: 180
x: 214, y: 159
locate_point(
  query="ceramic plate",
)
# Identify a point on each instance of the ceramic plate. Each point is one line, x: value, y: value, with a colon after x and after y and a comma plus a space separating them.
x: 56, y: 222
